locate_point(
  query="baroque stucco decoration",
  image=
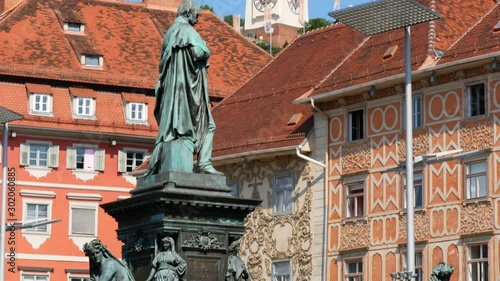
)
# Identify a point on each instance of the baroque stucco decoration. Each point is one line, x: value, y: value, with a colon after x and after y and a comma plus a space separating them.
x: 356, y: 157
x: 355, y: 234
x: 421, y: 227
x: 477, y: 217
x: 259, y: 246
x: 420, y: 145
x: 476, y: 136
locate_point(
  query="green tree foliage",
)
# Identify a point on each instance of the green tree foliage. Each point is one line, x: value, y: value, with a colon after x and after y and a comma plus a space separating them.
x: 265, y: 46
x: 314, y: 24
x: 207, y: 7
x: 229, y: 20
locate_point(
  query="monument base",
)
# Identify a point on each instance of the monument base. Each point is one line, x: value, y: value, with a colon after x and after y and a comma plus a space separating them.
x: 196, y: 210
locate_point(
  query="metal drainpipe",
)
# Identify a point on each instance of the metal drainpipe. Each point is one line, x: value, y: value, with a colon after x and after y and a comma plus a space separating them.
x: 325, y: 196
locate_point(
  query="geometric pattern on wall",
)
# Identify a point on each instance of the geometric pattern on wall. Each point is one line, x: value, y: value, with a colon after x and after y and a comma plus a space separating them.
x: 383, y: 119
x: 445, y: 137
x: 496, y: 129
x: 496, y: 172
x: 445, y: 221
x: 382, y: 264
x: 443, y: 108
x: 333, y: 237
x: 335, y: 160
x: 384, y: 150
x: 384, y: 230
x: 383, y: 195
x: 442, y: 175
x: 335, y: 202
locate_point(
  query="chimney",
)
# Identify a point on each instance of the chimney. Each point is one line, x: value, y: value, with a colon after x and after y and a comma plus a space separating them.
x: 6, y: 5
x: 170, y: 5
x: 236, y: 22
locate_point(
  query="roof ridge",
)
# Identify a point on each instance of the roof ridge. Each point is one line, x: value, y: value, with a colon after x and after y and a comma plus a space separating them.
x: 473, y: 26
x: 319, y: 29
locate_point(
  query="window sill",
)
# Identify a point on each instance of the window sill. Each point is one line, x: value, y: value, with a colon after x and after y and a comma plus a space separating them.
x: 38, y: 172
x: 85, y: 175
x: 476, y: 117
x: 421, y: 209
x: 84, y: 117
x: 354, y: 219
x: 44, y: 114
x: 133, y: 122
x: 478, y: 200
x: 282, y: 214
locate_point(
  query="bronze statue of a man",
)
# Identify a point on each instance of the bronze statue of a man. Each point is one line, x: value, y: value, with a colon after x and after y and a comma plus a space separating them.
x: 182, y: 101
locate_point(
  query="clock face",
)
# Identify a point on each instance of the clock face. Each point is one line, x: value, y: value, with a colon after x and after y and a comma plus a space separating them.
x: 294, y: 6
x: 261, y: 4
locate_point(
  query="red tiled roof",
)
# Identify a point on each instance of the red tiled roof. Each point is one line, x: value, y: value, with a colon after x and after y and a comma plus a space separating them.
x: 127, y: 35
x: 480, y: 40
x: 367, y: 63
x: 38, y: 88
x: 82, y: 92
x: 255, y: 117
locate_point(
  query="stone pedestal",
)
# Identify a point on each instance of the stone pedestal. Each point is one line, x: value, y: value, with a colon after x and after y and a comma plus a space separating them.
x: 196, y: 210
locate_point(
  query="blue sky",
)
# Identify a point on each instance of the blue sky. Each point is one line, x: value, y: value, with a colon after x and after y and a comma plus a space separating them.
x: 317, y: 8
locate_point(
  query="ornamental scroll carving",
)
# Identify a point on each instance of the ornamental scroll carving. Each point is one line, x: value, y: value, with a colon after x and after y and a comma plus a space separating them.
x: 261, y: 249
x: 476, y: 135
x: 355, y: 234
x: 356, y: 157
x: 477, y: 217
x: 420, y: 145
x: 204, y: 241
x: 421, y: 226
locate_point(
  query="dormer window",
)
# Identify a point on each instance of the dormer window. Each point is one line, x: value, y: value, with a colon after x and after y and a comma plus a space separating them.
x: 40, y: 99
x: 137, y: 112
x: 84, y: 107
x: 92, y: 61
x: 75, y: 27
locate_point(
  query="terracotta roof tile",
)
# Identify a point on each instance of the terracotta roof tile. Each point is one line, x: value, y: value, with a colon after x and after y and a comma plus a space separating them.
x: 255, y: 117
x: 82, y: 92
x: 367, y: 63
x: 38, y: 88
x: 480, y: 40
x: 129, y: 38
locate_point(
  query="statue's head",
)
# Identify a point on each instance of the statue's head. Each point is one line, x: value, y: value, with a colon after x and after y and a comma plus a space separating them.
x: 189, y: 10
x: 234, y: 248
x: 95, y: 250
x: 167, y: 244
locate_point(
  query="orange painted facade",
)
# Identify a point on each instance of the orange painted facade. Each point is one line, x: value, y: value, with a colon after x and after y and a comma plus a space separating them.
x: 457, y: 215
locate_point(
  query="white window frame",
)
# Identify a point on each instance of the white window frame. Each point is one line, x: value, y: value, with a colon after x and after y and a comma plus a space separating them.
x: 416, y: 175
x: 468, y: 103
x: 72, y: 155
x: 35, y: 275
x: 52, y: 154
x: 123, y: 158
x: 360, y: 185
x: 90, y: 106
x: 354, y: 276
x: 129, y: 112
x: 81, y: 27
x: 480, y: 261
x: 476, y: 175
x: 419, y: 267
x: 274, y: 276
x: 33, y: 103
x: 83, y: 205
x: 27, y: 202
x: 283, y: 210
x: 72, y: 277
x: 420, y: 117
x: 350, y: 124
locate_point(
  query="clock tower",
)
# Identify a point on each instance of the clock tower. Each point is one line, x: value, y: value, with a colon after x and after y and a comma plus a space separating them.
x: 286, y: 12
x: 286, y: 19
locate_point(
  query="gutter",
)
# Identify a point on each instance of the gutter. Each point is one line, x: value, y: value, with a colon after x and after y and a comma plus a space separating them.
x: 256, y: 152
x: 395, y: 77
x: 325, y: 195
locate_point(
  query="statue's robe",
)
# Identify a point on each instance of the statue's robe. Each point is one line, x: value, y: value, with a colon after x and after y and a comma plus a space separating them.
x: 182, y: 101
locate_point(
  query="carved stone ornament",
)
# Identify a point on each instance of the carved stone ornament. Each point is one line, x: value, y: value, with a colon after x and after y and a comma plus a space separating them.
x: 354, y: 235
x: 260, y: 247
x: 420, y: 145
x: 139, y: 242
x: 477, y: 217
x: 204, y: 241
x: 421, y: 228
x: 356, y: 157
x: 476, y: 135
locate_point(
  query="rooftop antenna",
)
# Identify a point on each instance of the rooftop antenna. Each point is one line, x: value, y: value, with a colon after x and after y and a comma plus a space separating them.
x: 336, y: 6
